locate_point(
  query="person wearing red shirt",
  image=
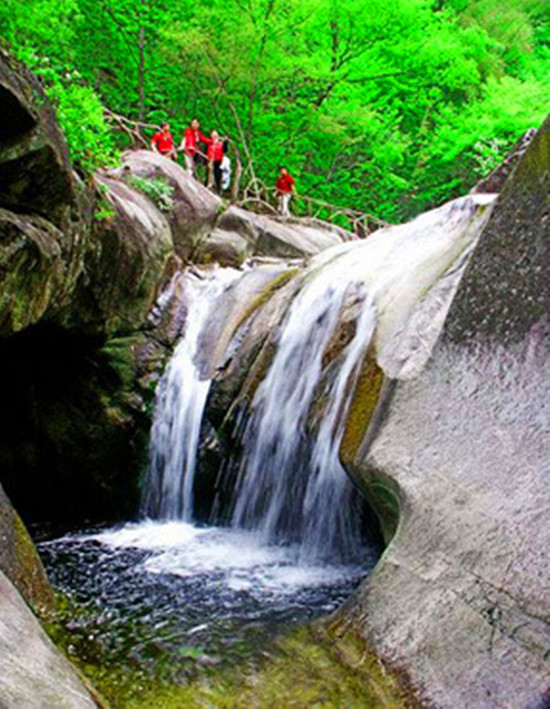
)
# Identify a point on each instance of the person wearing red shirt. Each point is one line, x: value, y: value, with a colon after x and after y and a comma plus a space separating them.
x: 163, y: 142
x: 190, y: 145
x: 216, y: 148
x: 285, y: 188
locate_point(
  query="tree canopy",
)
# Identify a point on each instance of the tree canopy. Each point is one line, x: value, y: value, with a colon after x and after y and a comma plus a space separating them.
x: 390, y: 107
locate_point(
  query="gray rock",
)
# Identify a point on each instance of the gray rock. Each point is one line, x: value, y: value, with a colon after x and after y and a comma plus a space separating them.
x: 273, y: 237
x: 228, y: 248
x: 131, y: 256
x: 194, y: 208
x: 33, y: 674
x: 461, y: 598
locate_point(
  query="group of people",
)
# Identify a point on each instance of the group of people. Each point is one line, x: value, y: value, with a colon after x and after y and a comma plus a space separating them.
x: 199, y: 149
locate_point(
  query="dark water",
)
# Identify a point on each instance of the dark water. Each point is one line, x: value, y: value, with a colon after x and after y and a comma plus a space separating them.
x: 159, y: 592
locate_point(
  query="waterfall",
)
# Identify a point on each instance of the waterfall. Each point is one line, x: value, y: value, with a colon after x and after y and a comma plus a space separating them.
x: 180, y: 400
x: 290, y: 487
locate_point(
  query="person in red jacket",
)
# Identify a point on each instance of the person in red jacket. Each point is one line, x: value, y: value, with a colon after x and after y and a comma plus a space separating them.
x: 216, y: 148
x: 163, y: 142
x: 190, y: 145
x: 285, y: 187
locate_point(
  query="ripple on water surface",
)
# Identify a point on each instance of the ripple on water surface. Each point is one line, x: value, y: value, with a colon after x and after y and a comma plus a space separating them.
x: 156, y: 587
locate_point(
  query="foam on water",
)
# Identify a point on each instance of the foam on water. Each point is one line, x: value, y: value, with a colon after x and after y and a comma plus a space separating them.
x: 242, y: 558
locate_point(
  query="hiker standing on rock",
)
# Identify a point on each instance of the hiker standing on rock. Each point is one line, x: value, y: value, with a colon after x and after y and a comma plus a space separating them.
x: 216, y: 149
x: 285, y: 187
x: 163, y: 142
x: 190, y: 145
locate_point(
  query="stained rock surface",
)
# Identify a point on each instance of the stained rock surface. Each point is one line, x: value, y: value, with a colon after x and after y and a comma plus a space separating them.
x: 461, y: 598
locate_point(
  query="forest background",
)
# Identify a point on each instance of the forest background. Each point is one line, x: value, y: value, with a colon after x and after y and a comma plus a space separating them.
x: 388, y: 106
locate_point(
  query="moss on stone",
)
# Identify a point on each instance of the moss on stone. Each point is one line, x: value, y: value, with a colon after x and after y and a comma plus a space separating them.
x: 20, y: 562
x: 314, y: 665
x: 363, y: 403
x: 383, y: 496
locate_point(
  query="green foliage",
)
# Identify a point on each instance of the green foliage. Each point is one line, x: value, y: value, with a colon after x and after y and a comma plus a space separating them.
x: 387, y: 107
x: 156, y: 189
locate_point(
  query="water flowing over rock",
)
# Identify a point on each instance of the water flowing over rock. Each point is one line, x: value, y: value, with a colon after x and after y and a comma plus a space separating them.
x: 287, y: 483
x: 179, y: 407
x: 461, y: 598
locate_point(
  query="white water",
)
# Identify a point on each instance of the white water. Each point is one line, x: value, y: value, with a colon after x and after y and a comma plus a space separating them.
x: 179, y: 406
x: 284, y: 488
x: 239, y: 557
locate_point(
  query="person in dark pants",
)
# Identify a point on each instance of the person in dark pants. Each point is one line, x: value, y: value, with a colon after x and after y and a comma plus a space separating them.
x: 190, y: 145
x: 216, y: 149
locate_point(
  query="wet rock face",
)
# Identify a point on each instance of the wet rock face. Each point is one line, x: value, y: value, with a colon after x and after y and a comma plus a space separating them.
x: 460, y: 600
x: 33, y: 674
x: 19, y: 559
x: 74, y: 431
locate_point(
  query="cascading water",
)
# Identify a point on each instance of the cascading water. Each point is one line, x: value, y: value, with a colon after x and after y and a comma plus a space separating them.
x: 179, y: 407
x: 289, y: 488
x: 169, y: 583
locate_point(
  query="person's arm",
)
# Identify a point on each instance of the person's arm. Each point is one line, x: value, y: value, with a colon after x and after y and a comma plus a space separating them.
x: 154, y: 143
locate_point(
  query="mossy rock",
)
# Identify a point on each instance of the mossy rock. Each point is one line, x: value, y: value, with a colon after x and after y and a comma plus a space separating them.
x: 19, y: 559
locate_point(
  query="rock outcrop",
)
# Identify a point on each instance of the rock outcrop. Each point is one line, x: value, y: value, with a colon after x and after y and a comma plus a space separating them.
x: 456, y: 459
x: 129, y: 261
x: 32, y: 672
x: 191, y: 209
x: 44, y: 208
x: 205, y: 231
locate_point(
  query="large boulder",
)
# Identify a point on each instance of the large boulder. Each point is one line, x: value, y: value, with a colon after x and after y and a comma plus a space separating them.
x: 271, y: 236
x: 33, y: 674
x: 191, y: 209
x: 130, y: 261
x: 456, y: 461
